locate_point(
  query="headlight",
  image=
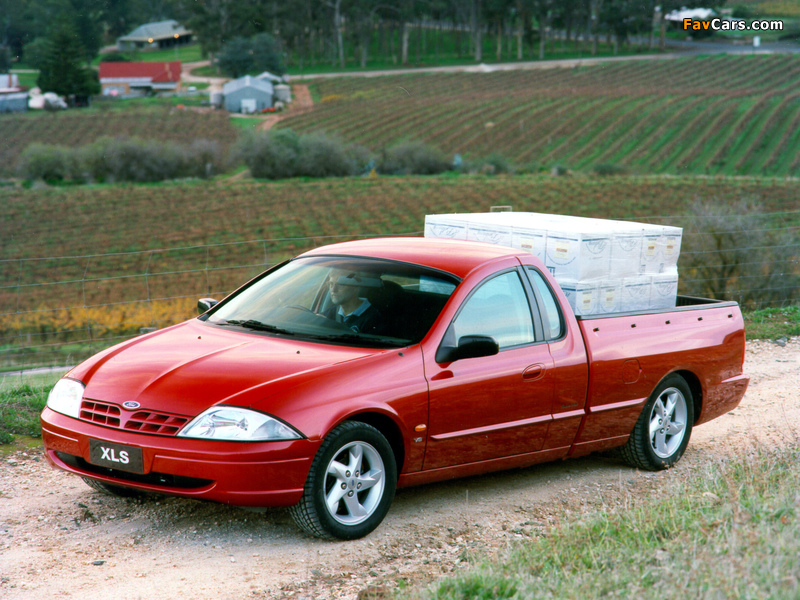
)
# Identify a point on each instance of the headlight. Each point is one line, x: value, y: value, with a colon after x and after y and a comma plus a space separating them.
x: 65, y: 397
x: 237, y: 424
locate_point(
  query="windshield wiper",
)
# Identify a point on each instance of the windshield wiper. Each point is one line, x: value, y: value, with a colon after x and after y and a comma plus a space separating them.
x: 368, y: 340
x: 256, y: 325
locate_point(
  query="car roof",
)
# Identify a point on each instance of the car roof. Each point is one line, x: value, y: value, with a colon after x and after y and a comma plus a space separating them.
x: 453, y: 256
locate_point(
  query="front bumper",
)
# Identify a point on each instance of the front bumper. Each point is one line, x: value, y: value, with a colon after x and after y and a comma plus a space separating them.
x: 238, y: 473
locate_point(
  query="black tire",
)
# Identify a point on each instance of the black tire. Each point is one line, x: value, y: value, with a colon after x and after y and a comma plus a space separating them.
x: 112, y: 490
x: 339, y: 500
x: 662, y: 432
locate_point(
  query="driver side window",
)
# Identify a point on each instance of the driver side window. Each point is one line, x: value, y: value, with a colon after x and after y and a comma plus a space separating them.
x: 498, y: 308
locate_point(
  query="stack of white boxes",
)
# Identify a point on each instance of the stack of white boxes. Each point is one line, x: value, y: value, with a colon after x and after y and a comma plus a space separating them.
x: 603, y: 266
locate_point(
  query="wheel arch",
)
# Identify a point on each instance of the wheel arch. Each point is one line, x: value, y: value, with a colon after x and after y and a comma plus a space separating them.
x: 693, y: 381
x: 389, y: 429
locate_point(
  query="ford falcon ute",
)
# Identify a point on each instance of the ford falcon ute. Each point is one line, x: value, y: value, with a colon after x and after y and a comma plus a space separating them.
x: 332, y: 379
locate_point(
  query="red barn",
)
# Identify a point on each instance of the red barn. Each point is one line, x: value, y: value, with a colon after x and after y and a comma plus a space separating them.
x: 139, y: 78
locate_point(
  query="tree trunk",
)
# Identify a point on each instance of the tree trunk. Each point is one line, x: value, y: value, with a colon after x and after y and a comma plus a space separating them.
x: 478, y: 33
x: 404, y: 51
x: 337, y: 20
x: 542, y: 34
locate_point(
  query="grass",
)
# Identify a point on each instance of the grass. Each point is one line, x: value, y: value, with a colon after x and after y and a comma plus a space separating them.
x: 20, y: 407
x: 723, y: 528
x: 189, y: 53
x: 772, y: 323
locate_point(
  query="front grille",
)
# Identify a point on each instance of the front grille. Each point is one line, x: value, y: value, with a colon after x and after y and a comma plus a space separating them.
x: 150, y: 422
x: 98, y: 412
x: 142, y: 421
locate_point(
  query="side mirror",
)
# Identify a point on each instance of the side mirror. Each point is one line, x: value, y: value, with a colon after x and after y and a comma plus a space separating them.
x: 205, y: 304
x: 469, y: 346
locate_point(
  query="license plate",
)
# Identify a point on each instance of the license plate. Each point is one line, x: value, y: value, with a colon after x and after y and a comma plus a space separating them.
x: 116, y: 456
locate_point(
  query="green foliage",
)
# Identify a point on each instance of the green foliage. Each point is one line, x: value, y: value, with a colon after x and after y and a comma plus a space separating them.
x: 260, y: 53
x: 235, y: 57
x: 737, y: 251
x: 123, y: 159
x: 146, y: 118
x: 5, y: 59
x: 772, y: 323
x: 61, y: 63
x: 20, y: 408
x: 266, y: 54
x: 47, y: 163
x: 726, y: 527
x: 607, y: 169
x: 417, y: 158
x: 281, y: 154
x: 114, y: 57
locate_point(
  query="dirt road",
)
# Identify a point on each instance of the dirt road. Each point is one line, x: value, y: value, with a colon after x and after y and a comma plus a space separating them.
x: 60, y: 539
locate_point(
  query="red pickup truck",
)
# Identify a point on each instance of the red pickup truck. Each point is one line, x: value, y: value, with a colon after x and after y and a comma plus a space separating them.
x: 333, y: 378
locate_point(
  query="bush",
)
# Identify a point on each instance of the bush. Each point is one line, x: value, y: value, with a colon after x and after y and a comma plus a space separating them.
x: 607, y: 169
x: 281, y: 153
x: 323, y: 156
x: 271, y: 155
x: 738, y: 252
x: 110, y: 160
x: 413, y: 158
x: 47, y: 163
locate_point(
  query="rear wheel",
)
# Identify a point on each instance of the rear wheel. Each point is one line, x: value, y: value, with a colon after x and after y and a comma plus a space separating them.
x: 350, y: 485
x: 662, y: 432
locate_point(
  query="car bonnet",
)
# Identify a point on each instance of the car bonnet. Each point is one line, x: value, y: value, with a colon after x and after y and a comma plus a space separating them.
x: 187, y: 368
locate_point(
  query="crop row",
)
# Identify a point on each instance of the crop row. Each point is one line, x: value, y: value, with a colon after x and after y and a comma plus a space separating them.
x: 709, y: 75
x: 702, y: 115
x: 88, y: 264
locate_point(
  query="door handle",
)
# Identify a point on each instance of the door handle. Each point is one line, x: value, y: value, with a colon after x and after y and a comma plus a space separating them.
x: 533, y: 372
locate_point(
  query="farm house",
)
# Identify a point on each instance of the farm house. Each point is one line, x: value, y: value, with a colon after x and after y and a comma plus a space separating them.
x: 247, y: 94
x: 162, y: 34
x: 139, y: 78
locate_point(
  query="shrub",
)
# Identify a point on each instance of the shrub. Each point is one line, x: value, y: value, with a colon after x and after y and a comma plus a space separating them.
x: 47, y: 163
x: 323, y: 156
x: 271, y: 155
x: 496, y: 164
x: 735, y: 251
x: 281, y: 153
x: 606, y: 169
x: 413, y: 158
x: 203, y: 159
x: 110, y: 160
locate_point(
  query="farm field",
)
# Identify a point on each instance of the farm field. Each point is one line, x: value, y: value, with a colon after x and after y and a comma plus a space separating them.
x: 83, y: 267
x: 81, y: 127
x: 713, y: 115
x: 699, y: 115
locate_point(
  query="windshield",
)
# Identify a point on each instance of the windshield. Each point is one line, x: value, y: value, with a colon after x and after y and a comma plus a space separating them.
x: 358, y: 301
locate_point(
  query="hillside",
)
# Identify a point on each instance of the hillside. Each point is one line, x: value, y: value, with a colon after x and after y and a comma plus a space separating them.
x: 717, y: 115
x: 732, y: 115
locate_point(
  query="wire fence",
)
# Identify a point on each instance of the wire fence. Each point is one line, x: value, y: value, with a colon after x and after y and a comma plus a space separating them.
x: 59, y: 310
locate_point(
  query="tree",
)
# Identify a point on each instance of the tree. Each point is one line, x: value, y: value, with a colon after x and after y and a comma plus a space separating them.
x: 259, y: 53
x: 236, y: 57
x: 62, y: 68
x: 266, y: 54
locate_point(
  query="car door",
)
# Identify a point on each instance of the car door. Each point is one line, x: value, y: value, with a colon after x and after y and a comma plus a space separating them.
x: 491, y: 406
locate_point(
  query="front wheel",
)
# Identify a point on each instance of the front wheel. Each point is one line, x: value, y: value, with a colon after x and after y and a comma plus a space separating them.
x: 350, y: 485
x: 662, y: 432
